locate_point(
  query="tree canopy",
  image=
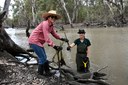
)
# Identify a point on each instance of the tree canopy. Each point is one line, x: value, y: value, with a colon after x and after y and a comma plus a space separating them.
x: 108, y: 12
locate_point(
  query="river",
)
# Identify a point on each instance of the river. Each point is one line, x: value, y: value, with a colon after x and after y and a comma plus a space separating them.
x: 109, y: 48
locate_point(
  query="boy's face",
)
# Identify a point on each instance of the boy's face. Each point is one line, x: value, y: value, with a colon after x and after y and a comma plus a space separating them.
x: 82, y: 35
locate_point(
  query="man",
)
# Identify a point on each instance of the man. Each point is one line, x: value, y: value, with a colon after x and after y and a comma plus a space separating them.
x: 40, y: 36
x: 83, y: 45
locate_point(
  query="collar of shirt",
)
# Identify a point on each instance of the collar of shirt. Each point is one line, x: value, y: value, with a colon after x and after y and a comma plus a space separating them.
x: 50, y: 23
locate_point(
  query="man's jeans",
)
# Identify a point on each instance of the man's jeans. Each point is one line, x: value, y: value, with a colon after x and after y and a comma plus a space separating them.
x: 40, y: 53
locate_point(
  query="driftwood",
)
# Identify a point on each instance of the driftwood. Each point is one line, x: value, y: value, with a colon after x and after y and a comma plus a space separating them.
x: 71, y: 77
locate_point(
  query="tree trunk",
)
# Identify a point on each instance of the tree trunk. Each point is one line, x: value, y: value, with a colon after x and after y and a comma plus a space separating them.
x: 33, y: 12
x: 69, y: 18
x: 75, y: 11
x: 6, y: 43
x: 112, y: 12
x: 118, y: 17
x: 6, y: 5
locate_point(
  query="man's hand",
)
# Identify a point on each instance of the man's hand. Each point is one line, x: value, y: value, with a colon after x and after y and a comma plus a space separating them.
x: 58, y: 48
x: 64, y: 39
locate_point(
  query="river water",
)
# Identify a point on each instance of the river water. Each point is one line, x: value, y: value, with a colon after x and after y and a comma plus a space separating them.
x: 109, y: 48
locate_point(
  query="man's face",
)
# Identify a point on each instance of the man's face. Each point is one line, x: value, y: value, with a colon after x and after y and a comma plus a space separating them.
x: 52, y: 19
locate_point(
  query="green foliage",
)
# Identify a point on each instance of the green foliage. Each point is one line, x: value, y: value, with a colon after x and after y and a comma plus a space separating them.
x: 83, y: 10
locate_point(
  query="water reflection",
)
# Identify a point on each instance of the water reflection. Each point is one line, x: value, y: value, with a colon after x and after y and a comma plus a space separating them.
x: 18, y: 36
x: 109, y: 48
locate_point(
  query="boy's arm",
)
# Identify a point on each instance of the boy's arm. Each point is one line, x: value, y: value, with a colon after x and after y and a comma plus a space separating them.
x: 72, y: 45
x: 88, y: 51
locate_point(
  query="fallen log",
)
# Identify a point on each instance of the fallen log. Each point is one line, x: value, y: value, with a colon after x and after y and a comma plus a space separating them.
x: 7, y: 44
x: 91, y: 78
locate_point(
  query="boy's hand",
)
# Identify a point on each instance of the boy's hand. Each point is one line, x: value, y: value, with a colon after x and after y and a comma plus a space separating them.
x: 68, y: 48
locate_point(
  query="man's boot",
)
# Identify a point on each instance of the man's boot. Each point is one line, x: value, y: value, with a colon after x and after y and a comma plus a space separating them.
x: 41, y: 69
x: 47, y: 70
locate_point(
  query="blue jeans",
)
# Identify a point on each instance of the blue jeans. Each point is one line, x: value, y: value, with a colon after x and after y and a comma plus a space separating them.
x: 42, y: 58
